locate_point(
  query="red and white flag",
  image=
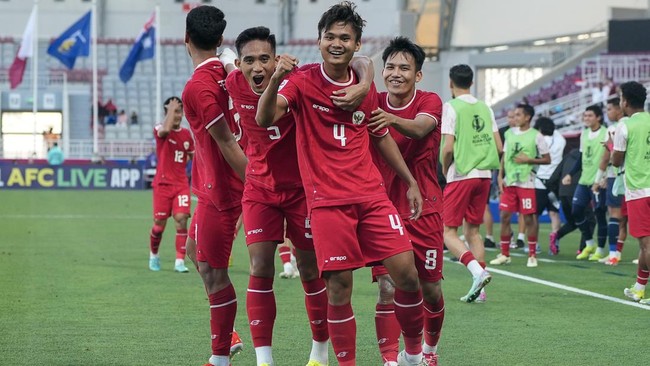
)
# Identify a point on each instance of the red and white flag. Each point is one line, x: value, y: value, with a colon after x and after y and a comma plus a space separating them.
x: 26, y: 50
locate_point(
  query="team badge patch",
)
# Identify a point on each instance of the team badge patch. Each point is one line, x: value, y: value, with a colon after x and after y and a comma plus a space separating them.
x: 186, y: 145
x: 357, y: 117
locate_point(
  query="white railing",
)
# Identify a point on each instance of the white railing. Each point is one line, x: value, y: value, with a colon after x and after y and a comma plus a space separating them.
x: 620, y: 68
x: 113, y: 149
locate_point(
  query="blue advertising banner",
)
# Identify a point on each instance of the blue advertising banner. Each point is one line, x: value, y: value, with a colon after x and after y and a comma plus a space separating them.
x: 44, y: 176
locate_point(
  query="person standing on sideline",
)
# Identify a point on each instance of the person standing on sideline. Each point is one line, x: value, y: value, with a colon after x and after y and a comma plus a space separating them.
x: 469, y: 154
x: 617, y: 225
x: 171, y: 189
x: 412, y: 117
x: 218, y: 171
x: 523, y: 149
x: 55, y: 155
x: 333, y: 142
x: 546, y: 198
x: 632, y: 147
x: 593, y: 170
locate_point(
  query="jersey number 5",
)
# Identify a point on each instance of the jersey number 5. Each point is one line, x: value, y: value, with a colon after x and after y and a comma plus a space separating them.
x: 276, y: 132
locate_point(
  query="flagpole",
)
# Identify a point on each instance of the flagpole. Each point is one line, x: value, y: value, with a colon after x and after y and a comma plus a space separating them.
x: 158, y: 52
x: 93, y: 51
x: 35, y: 74
x: 66, y: 117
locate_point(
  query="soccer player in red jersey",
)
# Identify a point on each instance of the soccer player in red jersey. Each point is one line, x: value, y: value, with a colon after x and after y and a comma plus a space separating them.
x: 273, y: 193
x: 413, y: 118
x: 171, y: 189
x: 217, y: 172
x: 353, y: 222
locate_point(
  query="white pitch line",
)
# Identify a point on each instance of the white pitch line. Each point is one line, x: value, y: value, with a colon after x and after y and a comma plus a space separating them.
x: 568, y: 288
x: 72, y: 217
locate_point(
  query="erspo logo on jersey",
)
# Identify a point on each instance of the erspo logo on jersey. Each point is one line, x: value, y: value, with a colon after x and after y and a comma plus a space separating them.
x: 30, y: 176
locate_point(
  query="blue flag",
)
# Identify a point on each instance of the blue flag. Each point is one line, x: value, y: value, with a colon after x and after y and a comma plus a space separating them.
x: 74, y: 42
x: 143, y: 49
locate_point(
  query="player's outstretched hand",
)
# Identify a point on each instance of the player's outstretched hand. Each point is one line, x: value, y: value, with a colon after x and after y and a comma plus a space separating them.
x: 285, y: 64
x: 380, y: 119
x: 350, y: 98
x: 415, y: 201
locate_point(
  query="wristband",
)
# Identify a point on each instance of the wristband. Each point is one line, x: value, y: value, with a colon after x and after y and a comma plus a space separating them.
x: 227, y: 56
x: 599, y: 175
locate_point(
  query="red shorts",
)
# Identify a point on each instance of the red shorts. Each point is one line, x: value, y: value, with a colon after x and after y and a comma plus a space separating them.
x: 265, y: 212
x: 170, y: 200
x: 214, y: 232
x: 466, y: 199
x: 517, y: 199
x: 427, y: 239
x: 357, y: 235
x: 623, y: 207
x: 639, y: 217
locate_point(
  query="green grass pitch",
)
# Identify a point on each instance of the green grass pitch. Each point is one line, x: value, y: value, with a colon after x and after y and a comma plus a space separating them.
x: 75, y: 289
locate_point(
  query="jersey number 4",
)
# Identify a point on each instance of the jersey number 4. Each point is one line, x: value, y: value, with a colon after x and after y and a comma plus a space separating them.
x: 339, y: 133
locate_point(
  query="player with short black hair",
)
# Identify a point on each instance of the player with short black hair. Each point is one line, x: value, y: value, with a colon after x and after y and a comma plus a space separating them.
x: 353, y: 222
x: 217, y: 172
x: 171, y: 189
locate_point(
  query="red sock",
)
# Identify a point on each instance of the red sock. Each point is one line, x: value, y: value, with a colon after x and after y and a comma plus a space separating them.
x: 505, y: 245
x: 619, y: 246
x: 388, y: 331
x: 466, y: 257
x: 285, y: 254
x: 482, y: 264
x: 409, y: 314
x: 532, y: 246
x: 316, y: 305
x: 434, y: 315
x: 223, y: 307
x: 155, y: 236
x: 260, y: 307
x: 181, y: 239
x: 642, y: 276
x: 343, y: 328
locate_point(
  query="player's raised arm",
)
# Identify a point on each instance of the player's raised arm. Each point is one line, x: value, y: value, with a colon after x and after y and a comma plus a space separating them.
x: 229, y: 147
x: 391, y: 154
x: 271, y: 107
x: 351, y: 97
x: 171, y: 109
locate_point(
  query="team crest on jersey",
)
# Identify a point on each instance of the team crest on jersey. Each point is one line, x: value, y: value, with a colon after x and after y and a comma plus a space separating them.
x: 186, y: 145
x: 357, y: 117
x: 284, y: 82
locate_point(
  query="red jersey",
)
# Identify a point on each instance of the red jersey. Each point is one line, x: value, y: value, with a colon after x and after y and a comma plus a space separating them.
x: 205, y: 102
x: 421, y: 156
x: 333, y: 145
x: 271, y: 152
x: 172, y: 154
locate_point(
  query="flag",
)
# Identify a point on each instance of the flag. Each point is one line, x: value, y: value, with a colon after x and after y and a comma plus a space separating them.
x: 74, y: 42
x: 26, y: 50
x: 143, y: 49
